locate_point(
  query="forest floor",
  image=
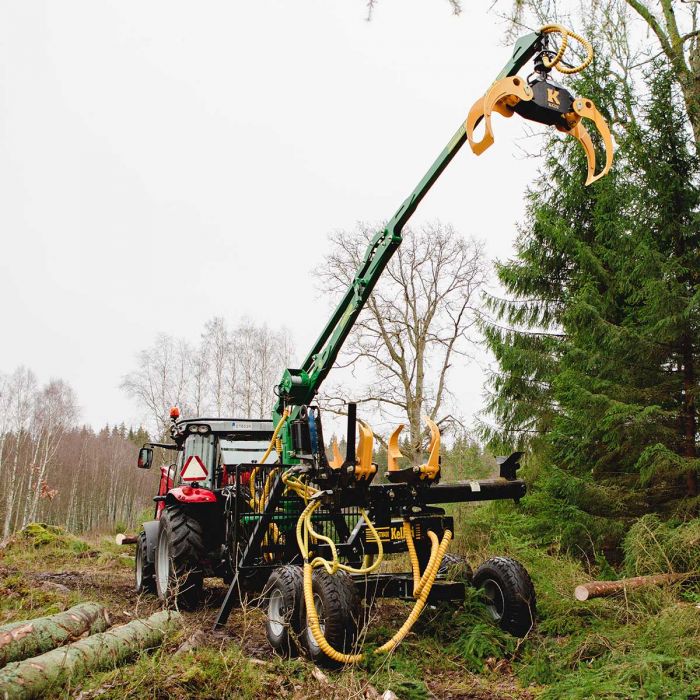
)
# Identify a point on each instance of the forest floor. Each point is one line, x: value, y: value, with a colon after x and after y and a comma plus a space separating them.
x: 646, y: 646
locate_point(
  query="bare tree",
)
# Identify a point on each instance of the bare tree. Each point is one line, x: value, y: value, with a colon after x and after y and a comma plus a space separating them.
x: 217, y: 346
x: 232, y: 371
x: 55, y: 411
x: 161, y: 378
x: 417, y: 320
x: 20, y: 392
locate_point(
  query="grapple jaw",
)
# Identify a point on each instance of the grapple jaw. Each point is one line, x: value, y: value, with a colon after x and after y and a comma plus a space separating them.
x: 427, y: 473
x: 541, y: 100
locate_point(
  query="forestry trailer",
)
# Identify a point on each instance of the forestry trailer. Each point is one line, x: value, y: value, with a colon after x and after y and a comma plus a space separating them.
x: 260, y: 504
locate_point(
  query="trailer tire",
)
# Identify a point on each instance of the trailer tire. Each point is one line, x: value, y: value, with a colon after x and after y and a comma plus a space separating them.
x: 339, y: 610
x: 284, y: 593
x: 144, y: 570
x: 455, y: 567
x: 508, y: 593
x: 178, y: 573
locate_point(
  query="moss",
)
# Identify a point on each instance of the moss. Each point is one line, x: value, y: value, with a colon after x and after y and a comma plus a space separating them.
x: 41, y: 535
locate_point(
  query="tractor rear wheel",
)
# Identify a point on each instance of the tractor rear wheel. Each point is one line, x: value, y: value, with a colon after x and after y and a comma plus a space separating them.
x: 284, y: 593
x: 339, y: 612
x: 508, y: 593
x: 178, y: 573
x: 145, y: 571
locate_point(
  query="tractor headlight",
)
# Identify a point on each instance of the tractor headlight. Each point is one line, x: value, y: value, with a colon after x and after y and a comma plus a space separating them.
x: 202, y: 428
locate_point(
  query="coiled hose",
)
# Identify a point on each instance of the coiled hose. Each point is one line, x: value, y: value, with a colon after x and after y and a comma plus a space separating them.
x: 565, y: 34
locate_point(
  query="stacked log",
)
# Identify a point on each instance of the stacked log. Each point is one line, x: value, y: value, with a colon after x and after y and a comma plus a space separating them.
x: 20, y: 640
x: 40, y: 676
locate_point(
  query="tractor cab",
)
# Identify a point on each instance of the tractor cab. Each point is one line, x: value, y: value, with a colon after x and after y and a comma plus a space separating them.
x: 208, y: 450
x: 212, y: 447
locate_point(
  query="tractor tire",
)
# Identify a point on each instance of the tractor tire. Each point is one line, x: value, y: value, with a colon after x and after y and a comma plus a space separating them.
x: 456, y: 568
x: 339, y: 612
x: 145, y: 571
x: 284, y: 593
x: 179, y: 576
x: 508, y: 593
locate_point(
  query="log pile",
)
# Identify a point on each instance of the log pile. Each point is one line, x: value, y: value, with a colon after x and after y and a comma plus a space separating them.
x: 20, y: 640
x: 40, y: 676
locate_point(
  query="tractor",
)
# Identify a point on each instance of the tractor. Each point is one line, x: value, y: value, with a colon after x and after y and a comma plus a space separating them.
x: 261, y: 504
x: 187, y: 539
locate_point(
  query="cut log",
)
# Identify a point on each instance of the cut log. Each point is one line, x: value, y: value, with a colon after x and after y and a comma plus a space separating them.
x: 40, y: 676
x: 20, y: 640
x: 121, y: 538
x: 599, y: 589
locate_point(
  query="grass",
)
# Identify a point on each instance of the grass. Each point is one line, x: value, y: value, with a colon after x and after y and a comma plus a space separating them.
x: 643, y: 645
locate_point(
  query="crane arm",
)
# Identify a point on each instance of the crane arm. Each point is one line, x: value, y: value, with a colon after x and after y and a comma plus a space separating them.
x: 299, y: 386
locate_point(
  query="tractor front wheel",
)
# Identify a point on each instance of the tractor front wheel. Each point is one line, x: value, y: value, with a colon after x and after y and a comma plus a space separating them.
x: 178, y: 573
x: 145, y: 570
x: 508, y: 593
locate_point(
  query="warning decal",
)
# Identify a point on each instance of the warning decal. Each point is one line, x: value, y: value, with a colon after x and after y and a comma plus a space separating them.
x: 194, y: 469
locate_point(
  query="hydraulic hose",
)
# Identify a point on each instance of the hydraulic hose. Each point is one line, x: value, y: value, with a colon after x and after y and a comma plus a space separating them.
x: 421, y: 584
x: 565, y: 34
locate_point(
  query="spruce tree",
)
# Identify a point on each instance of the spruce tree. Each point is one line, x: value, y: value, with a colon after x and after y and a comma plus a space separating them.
x: 598, y: 342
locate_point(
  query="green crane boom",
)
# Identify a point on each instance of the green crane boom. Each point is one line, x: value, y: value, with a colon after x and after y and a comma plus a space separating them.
x: 299, y: 386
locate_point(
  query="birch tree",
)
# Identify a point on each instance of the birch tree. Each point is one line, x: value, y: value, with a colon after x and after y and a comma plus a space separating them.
x: 416, y: 324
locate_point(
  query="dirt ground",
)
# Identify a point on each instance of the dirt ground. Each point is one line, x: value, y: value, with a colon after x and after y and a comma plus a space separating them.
x: 108, y: 579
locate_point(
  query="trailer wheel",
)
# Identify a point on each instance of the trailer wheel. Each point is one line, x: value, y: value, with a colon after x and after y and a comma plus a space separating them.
x: 179, y: 576
x: 456, y: 568
x: 145, y: 571
x: 339, y: 611
x: 284, y: 593
x: 508, y: 593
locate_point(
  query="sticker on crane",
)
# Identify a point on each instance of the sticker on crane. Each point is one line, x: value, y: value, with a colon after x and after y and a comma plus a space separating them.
x: 194, y: 469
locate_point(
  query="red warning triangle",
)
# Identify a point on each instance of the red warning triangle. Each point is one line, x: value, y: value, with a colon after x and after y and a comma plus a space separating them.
x: 194, y: 469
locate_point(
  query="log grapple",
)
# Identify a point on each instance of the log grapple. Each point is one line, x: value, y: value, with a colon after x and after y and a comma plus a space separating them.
x: 539, y: 99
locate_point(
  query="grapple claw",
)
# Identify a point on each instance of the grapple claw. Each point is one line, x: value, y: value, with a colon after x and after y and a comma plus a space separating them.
x: 393, y: 452
x: 337, y: 461
x: 501, y: 97
x: 583, y: 107
x: 365, y: 469
x: 431, y: 469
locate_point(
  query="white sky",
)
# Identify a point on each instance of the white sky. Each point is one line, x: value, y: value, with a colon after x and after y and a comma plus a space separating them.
x: 164, y: 162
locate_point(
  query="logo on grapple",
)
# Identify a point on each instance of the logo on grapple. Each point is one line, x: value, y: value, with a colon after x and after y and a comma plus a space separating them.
x: 553, y: 97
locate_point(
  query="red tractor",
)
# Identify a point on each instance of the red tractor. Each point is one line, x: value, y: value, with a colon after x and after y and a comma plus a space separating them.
x: 186, y: 541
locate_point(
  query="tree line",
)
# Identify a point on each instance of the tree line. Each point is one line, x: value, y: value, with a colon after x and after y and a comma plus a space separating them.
x: 57, y: 471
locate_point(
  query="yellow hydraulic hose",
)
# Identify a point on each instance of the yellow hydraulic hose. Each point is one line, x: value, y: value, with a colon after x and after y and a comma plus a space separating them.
x: 315, y: 627
x: 273, y: 439
x: 421, y: 584
x: 565, y: 34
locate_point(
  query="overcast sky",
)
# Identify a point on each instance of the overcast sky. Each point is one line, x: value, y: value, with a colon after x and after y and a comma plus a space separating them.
x: 164, y: 162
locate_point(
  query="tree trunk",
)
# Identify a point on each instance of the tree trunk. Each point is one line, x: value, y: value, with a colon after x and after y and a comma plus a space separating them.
x: 599, y: 589
x: 690, y: 427
x: 20, y: 640
x: 40, y: 676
